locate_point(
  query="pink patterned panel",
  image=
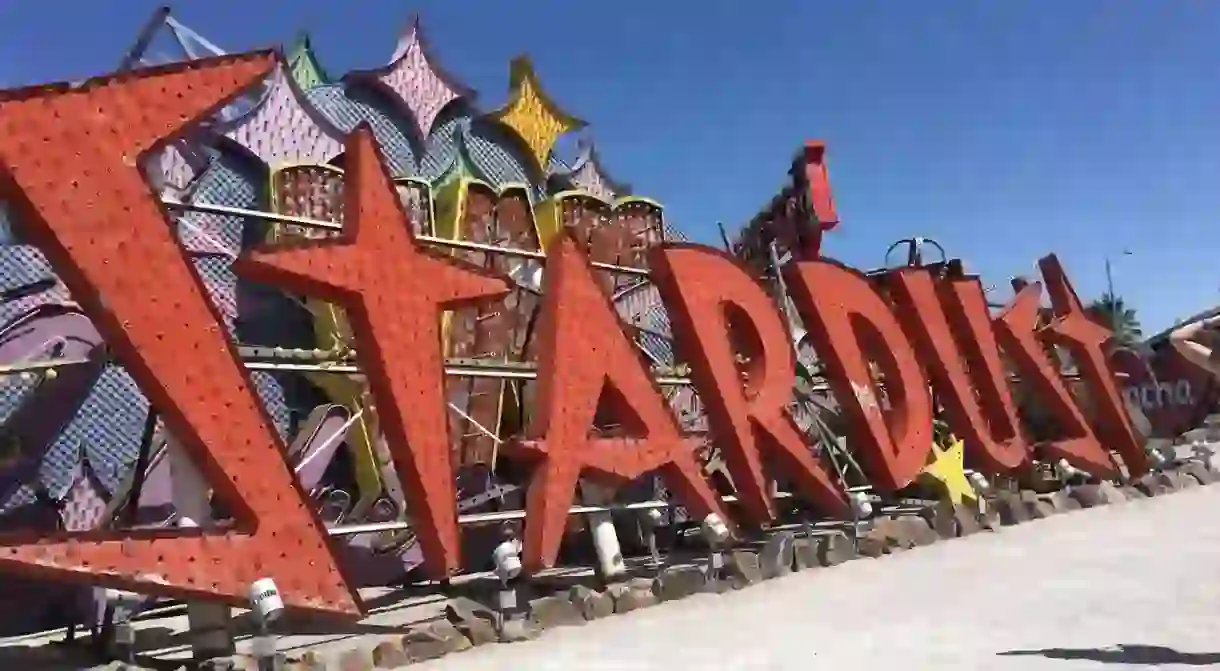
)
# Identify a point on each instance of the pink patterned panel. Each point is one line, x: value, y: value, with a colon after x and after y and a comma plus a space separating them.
x: 84, y: 506
x: 282, y: 129
x: 420, y: 87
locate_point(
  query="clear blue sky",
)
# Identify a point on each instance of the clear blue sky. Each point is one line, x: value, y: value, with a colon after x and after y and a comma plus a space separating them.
x: 1004, y: 130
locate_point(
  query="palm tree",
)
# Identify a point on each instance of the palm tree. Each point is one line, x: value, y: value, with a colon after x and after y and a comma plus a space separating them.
x: 1110, y: 311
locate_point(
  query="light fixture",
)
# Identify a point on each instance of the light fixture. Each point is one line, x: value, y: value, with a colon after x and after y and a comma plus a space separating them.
x: 715, y: 531
x: 861, y: 504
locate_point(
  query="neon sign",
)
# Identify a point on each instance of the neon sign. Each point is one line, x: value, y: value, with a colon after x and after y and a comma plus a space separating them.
x: 71, y: 157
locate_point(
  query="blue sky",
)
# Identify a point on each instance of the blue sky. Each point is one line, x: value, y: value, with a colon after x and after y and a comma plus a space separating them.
x: 1005, y: 130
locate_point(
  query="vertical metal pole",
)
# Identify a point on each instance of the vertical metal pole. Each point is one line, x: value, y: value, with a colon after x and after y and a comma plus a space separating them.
x: 1109, y: 280
x: 209, y: 622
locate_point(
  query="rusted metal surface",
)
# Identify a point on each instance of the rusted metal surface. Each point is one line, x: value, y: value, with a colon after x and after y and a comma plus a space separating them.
x: 154, y: 316
x: 1086, y: 341
x: 393, y: 293
x: 592, y: 369
x: 730, y: 332
x: 967, y: 373
x: 489, y: 332
x: 834, y: 302
x: 1017, y: 329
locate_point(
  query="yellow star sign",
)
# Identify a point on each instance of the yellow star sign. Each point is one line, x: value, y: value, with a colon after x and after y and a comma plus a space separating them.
x: 532, y: 114
x: 948, y: 470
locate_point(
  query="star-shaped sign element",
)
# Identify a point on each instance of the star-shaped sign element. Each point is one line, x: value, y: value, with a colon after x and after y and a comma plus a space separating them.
x: 531, y: 113
x: 947, y: 470
x: 394, y: 292
x: 72, y: 157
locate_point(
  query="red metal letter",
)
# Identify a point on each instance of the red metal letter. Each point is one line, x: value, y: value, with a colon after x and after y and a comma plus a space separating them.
x: 1016, y: 329
x: 1086, y: 340
x: 393, y: 292
x: 711, y: 298
x: 851, y: 325
x: 983, y: 415
x: 589, y: 358
x: 71, y: 157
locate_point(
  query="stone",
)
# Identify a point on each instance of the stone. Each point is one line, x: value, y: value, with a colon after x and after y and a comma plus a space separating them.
x: 1132, y: 493
x: 987, y: 515
x: 1062, y: 502
x: 1199, y: 472
x: 519, y: 629
x: 894, y: 531
x: 1012, y: 508
x: 805, y: 554
x: 966, y: 520
x: 1088, y: 496
x: 556, y: 611
x: 679, y: 582
x: 593, y: 605
x: 742, y: 569
x: 311, y: 661
x: 356, y: 659
x: 834, y: 549
x: 1152, y: 485
x: 389, y: 654
x: 473, y: 620
x: 775, y: 558
x: 1183, y: 480
x: 941, y: 518
x: 434, y: 641
x: 872, y: 544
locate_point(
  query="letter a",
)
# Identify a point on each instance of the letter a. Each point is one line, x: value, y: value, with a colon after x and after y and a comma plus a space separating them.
x: 851, y: 325
x: 983, y: 415
x: 710, y: 299
x: 588, y: 353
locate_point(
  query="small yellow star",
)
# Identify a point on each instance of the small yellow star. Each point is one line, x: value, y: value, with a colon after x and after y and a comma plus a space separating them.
x: 947, y: 468
x: 532, y: 114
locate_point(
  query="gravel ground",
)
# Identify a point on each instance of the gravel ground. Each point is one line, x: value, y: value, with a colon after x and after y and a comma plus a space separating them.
x: 1129, y: 586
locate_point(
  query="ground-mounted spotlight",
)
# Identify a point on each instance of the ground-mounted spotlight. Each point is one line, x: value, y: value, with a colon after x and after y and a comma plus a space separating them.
x: 861, y: 504
x: 649, y: 522
x: 267, y: 606
x: 979, y: 482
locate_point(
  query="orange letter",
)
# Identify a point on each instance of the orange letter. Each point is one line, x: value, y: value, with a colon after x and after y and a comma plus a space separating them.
x: 1017, y: 330
x: 1085, y: 339
x: 589, y: 358
x: 710, y: 298
x: 851, y: 325
x: 986, y: 422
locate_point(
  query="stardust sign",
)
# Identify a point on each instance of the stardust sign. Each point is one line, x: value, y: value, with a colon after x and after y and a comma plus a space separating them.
x: 71, y: 157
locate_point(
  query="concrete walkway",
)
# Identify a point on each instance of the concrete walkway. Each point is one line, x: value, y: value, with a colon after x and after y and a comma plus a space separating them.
x: 1129, y: 586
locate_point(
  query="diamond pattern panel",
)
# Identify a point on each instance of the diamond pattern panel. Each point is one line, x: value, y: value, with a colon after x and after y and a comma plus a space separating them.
x: 346, y: 107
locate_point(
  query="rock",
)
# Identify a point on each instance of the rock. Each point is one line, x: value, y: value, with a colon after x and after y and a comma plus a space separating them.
x: 742, y: 569
x: 834, y: 549
x: 966, y: 520
x: 1062, y: 502
x: 987, y: 515
x: 473, y: 620
x: 592, y: 604
x: 1182, y: 480
x: 311, y: 661
x: 896, y: 532
x: 1132, y: 493
x: 556, y: 611
x: 356, y: 659
x: 1088, y: 496
x: 1012, y: 508
x: 872, y: 545
x: 679, y: 582
x: 434, y: 641
x: 941, y: 518
x: 1151, y: 484
x: 519, y: 629
x: 631, y: 596
x: 1199, y: 472
x: 805, y: 554
x: 775, y: 558
x: 389, y: 654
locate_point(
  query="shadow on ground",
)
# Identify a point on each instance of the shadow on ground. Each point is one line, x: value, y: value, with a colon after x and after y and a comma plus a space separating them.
x: 1124, y: 654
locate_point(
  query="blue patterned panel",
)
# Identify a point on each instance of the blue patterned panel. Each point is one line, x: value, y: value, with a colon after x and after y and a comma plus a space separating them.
x: 346, y: 107
x: 489, y: 144
x: 108, y: 426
